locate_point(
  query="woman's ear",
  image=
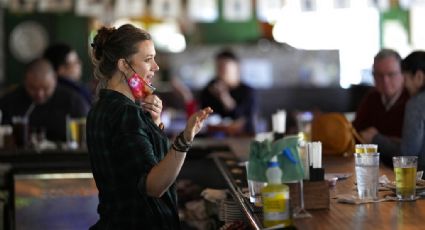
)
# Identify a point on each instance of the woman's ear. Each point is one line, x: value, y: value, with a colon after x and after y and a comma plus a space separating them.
x: 122, y: 65
x: 420, y: 78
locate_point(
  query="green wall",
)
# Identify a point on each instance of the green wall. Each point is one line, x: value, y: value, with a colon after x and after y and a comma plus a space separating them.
x: 65, y: 27
x: 222, y: 31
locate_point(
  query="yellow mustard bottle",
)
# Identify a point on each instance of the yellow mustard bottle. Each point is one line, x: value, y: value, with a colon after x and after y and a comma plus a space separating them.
x: 275, y: 198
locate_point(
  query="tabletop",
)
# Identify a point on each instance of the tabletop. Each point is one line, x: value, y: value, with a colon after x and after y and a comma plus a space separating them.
x: 382, y: 215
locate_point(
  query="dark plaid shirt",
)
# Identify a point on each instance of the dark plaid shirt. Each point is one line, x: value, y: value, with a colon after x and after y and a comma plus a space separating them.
x: 124, y: 144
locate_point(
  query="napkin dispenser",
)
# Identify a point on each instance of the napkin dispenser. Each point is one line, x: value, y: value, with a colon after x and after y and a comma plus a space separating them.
x: 316, y: 194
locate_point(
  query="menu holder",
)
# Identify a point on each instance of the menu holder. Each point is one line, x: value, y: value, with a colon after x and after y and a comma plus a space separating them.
x: 316, y: 194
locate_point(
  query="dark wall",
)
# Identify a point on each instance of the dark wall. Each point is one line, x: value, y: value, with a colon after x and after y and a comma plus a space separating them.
x: 304, y: 99
x: 295, y: 99
x: 65, y: 27
x: 333, y: 99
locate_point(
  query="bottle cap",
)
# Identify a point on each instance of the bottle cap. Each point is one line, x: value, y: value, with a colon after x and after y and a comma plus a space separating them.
x: 273, y: 162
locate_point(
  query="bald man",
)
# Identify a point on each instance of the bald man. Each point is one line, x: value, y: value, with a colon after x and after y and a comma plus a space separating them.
x: 45, y: 103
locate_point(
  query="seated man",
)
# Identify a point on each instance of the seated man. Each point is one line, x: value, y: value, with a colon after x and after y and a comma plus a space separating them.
x: 68, y: 69
x: 381, y: 112
x: 44, y: 103
x: 229, y: 97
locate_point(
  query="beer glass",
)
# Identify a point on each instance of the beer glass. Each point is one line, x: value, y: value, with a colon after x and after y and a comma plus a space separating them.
x: 405, y: 177
x: 20, y: 131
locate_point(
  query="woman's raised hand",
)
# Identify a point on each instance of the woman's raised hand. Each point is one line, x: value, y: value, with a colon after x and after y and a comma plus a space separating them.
x: 195, y: 122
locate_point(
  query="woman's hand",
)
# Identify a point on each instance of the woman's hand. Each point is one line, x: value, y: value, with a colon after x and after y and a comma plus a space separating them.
x: 153, y: 105
x: 195, y: 122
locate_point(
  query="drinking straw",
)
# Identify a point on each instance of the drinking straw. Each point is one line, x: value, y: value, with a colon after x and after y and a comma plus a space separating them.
x: 29, y: 110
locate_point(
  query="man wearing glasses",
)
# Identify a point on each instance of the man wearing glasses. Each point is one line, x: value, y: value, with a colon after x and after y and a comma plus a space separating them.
x: 381, y: 112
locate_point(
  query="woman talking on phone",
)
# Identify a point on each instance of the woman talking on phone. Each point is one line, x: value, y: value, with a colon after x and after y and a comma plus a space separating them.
x: 133, y: 163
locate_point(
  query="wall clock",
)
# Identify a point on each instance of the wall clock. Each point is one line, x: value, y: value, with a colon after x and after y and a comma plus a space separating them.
x: 28, y: 41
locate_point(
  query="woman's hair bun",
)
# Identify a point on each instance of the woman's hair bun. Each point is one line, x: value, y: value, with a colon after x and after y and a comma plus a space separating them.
x: 100, y: 41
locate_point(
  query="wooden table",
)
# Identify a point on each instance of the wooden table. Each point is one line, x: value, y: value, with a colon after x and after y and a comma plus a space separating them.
x: 382, y: 215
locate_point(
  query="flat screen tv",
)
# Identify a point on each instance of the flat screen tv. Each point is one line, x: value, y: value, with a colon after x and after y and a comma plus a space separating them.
x: 54, y: 201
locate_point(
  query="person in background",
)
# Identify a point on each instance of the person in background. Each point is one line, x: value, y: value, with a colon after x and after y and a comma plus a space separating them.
x: 229, y: 97
x: 133, y: 164
x: 381, y: 112
x: 44, y: 103
x: 413, y: 134
x: 413, y: 139
x: 68, y: 68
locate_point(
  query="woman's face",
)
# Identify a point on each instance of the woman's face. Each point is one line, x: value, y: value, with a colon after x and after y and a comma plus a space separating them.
x: 413, y: 82
x: 143, y: 62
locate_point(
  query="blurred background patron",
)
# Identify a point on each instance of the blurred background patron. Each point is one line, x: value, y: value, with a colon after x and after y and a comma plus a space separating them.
x: 413, y: 139
x: 67, y: 66
x: 381, y: 112
x: 229, y: 97
x: 42, y: 102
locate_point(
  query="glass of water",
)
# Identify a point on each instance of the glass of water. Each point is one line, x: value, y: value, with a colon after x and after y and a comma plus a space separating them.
x: 367, y: 175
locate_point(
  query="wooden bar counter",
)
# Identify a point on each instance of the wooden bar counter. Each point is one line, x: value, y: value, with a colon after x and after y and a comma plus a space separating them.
x: 339, y: 216
x: 381, y: 215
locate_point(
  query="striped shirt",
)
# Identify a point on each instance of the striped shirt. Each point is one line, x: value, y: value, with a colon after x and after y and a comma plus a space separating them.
x: 124, y: 144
